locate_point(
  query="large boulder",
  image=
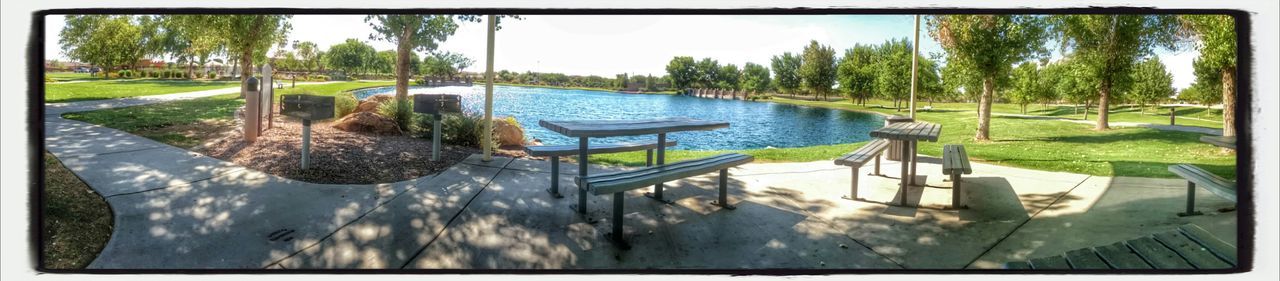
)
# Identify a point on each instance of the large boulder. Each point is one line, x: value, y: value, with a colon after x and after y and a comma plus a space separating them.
x: 507, y: 132
x: 371, y: 104
x: 367, y: 122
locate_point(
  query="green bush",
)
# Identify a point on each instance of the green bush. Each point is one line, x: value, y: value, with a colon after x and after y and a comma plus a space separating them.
x: 465, y: 129
x: 343, y: 105
x: 399, y: 110
x: 212, y: 75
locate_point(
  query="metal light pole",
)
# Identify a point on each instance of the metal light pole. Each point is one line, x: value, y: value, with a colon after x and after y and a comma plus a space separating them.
x: 488, y: 94
x: 915, y: 57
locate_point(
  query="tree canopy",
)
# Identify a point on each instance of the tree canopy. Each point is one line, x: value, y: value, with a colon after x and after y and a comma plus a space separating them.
x: 856, y: 72
x: 817, y: 70
x: 1111, y: 45
x: 755, y: 78
x: 682, y: 72
x: 785, y: 72
x: 1151, y: 82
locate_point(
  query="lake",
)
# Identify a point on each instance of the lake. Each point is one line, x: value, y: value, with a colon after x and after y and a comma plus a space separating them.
x: 751, y: 124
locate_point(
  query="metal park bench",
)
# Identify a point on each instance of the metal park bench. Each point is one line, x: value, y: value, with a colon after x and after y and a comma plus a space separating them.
x: 619, y: 182
x: 1204, y: 179
x: 556, y: 151
x: 955, y: 162
x: 1188, y: 247
x: 857, y: 158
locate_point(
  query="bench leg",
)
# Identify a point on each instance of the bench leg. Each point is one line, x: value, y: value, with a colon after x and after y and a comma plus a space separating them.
x: 616, y: 236
x: 957, y: 192
x: 853, y: 185
x: 724, y: 191
x: 582, y: 174
x: 648, y: 158
x: 657, y: 188
x: 877, y: 165
x: 1191, y: 201
x: 555, y: 178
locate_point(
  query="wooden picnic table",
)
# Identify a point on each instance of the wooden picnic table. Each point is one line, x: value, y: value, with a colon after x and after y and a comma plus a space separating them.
x: 1221, y: 141
x: 584, y: 129
x: 908, y: 133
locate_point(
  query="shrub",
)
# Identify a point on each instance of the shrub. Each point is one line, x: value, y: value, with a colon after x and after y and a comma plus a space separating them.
x: 343, y: 105
x: 212, y: 75
x: 399, y: 110
x: 465, y: 129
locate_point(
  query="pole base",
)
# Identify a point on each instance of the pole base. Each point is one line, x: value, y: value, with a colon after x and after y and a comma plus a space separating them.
x: 1194, y: 213
x: 664, y: 201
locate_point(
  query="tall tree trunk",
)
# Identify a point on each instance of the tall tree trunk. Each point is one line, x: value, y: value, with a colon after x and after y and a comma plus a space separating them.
x: 1104, y: 96
x: 1228, y: 102
x: 246, y: 70
x: 1086, y: 109
x: 402, y: 64
x: 191, y: 69
x: 984, y: 109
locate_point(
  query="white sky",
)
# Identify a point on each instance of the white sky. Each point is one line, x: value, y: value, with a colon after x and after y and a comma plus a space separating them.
x: 606, y: 45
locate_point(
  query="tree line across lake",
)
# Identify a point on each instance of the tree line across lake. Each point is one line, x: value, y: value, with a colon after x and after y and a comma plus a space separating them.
x: 1106, y: 59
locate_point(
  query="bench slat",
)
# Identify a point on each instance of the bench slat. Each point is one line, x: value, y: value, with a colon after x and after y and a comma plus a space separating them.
x: 1017, y: 265
x: 1085, y: 259
x: 1157, y: 254
x: 863, y: 154
x: 1213, y: 183
x: 1190, y: 250
x: 1120, y: 256
x: 623, y: 181
x: 1050, y: 262
x: 1219, y: 248
x: 955, y: 159
x: 592, y: 148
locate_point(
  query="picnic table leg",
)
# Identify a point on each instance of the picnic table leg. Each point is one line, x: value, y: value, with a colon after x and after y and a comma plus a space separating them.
x: 724, y: 191
x: 616, y: 236
x: 914, y: 151
x: 662, y: 152
x: 1191, y: 201
x: 555, y: 178
x: 904, y: 151
x: 582, y: 174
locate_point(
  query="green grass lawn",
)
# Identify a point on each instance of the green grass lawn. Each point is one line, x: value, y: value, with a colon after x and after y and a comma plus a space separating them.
x: 1041, y: 144
x: 110, y: 89
x: 1188, y: 116
x: 70, y: 76
x: 332, y: 89
x: 77, y: 221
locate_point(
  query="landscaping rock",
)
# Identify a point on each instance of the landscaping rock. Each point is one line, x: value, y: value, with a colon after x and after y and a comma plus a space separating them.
x: 368, y: 122
x: 371, y: 104
x: 508, y: 134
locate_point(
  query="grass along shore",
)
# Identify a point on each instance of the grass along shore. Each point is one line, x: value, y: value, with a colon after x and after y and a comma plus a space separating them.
x: 124, y: 88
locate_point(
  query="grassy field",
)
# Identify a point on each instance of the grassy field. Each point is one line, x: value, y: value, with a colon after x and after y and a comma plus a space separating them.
x: 110, y: 89
x: 77, y: 221
x: 70, y: 76
x: 1058, y: 145
x: 332, y: 89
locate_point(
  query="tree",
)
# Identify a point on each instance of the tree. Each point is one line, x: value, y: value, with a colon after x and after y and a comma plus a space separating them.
x: 893, y: 71
x: 817, y: 69
x: 728, y: 77
x: 682, y: 72
x: 986, y: 47
x: 410, y: 33
x: 349, y: 56
x: 785, y: 72
x: 708, y: 72
x: 385, y: 62
x: 250, y: 37
x: 308, y: 55
x: 1112, y: 45
x: 1075, y: 83
x: 1151, y: 83
x: 755, y: 78
x: 930, y: 81
x: 856, y: 73
x: 106, y: 41
x: 1027, y: 86
x: 445, y: 64
x: 1217, y: 62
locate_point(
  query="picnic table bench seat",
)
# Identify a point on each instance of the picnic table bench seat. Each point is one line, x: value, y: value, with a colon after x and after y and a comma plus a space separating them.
x: 557, y: 151
x: 617, y: 183
x: 955, y: 162
x: 1196, y: 176
x: 1187, y: 247
x: 861, y: 156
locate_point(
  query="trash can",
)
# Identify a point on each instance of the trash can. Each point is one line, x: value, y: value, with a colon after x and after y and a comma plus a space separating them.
x: 895, y: 145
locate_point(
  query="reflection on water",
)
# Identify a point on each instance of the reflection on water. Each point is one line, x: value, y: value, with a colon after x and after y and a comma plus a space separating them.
x: 752, y: 124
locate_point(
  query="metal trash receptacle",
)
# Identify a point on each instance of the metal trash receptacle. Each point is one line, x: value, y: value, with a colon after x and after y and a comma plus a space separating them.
x: 895, y: 145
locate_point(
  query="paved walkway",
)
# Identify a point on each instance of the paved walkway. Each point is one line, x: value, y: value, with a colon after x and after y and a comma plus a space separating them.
x: 178, y: 209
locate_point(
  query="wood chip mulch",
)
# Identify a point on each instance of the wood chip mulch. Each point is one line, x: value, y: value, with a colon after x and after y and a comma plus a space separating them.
x: 337, y: 156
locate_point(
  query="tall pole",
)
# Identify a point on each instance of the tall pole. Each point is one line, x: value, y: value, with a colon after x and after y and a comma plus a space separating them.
x: 488, y: 95
x: 915, y: 60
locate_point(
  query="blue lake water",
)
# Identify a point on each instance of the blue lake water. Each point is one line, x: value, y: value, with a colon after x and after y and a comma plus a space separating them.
x: 751, y: 124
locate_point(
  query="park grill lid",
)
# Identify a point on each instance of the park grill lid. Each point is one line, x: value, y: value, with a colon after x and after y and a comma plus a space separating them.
x: 437, y: 104
x: 307, y: 107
